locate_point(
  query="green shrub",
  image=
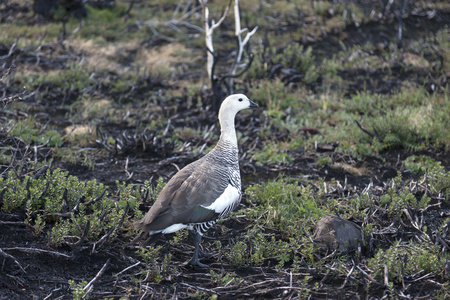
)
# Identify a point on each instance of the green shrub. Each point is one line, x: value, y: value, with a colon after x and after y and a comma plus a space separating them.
x: 73, y: 208
x: 223, y: 279
x: 293, y: 56
x: 261, y: 249
x: 285, y: 204
x: 237, y: 256
x: 409, y: 258
x: 399, y: 197
x: 264, y: 248
x: 396, y: 131
x: 272, y: 152
x: 439, y: 181
x: 30, y: 132
x: 274, y: 95
x: 419, y: 164
x: 156, y: 268
x: 78, y: 291
x: 74, y: 77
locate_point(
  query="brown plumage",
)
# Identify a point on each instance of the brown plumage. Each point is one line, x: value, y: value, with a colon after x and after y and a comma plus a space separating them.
x: 203, y: 191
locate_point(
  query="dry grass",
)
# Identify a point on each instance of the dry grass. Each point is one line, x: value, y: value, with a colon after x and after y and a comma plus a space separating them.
x: 83, y: 135
x: 103, y: 57
x: 361, y: 171
x: 164, y: 59
x: 415, y: 61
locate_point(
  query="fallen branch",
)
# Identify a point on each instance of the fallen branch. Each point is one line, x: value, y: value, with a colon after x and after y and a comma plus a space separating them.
x: 366, y: 275
x: 6, y: 255
x: 347, y: 277
x: 11, y: 50
x: 18, y: 223
x: 310, y: 270
x: 375, y: 134
x: 88, y: 286
x: 128, y: 268
x: 37, y: 251
x: 200, y: 288
x: 96, y: 199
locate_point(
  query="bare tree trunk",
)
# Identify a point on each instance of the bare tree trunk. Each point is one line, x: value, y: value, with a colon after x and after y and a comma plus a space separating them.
x: 241, y: 43
x: 209, y: 30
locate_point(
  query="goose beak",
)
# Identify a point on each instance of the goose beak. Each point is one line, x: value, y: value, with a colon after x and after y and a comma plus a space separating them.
x: 253, y: 104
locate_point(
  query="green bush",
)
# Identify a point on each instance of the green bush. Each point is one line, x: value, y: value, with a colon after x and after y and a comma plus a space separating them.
x: 409, y: 258
x: 419, y: 164
x: 30, y: 132
x: 399, y: 197
x: 293, y: 56
x: 274, y: 95
x: 272, y: 152
x: 439, y: 181
x: 285, y: 205
x: 156, y: 268
x: 73, y: 208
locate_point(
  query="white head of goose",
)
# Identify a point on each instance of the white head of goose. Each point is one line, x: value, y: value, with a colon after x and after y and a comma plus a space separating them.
x: 204, y: 191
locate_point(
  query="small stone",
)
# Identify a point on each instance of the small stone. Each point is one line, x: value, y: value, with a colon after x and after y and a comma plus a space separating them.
x: 333, y: 232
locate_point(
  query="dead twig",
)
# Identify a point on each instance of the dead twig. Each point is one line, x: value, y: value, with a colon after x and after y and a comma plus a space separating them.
x: 11, y: 50
x: 88, y: 287
x: 200, y: 288
x: 374, y: 134
x: 129, y: 175
x: 170, y: 160
x: 38, y: 251
x: 108, y: 234
x: 347, y: 277
x: 85, y: 233
x: 311, y: 271
x: 98, y: 198
x: 13, y: 223
x: 128, y: 268
x: 366, y: 275
x: 6, y: 255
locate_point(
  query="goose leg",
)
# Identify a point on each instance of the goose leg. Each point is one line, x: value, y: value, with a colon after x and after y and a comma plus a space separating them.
x: 201, y: 254
x: 194, y: 260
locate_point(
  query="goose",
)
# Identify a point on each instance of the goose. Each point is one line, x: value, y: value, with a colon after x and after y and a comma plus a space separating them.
x: 204, y: 191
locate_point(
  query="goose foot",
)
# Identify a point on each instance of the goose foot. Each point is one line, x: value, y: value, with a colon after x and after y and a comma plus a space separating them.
x: 205, y: 255
x: 194, y: 261
x: 196, y: 237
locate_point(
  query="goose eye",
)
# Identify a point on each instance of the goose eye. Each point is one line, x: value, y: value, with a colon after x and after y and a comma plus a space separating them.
x: 240, y: 99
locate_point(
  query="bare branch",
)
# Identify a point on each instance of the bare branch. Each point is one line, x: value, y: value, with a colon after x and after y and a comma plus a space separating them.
x: 6, y: 255
x: 38, y: 251
x: 375, y: 134
x: 209, y: 30
x: 88, y: 286
x: 239, y: 32
x: 11, y: 50
x: 241, y: 44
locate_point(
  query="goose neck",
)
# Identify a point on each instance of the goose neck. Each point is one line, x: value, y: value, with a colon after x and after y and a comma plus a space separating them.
x: 228, y: 132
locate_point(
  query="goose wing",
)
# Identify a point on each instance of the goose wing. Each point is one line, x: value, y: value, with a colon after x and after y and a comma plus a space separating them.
x: 200, y: 192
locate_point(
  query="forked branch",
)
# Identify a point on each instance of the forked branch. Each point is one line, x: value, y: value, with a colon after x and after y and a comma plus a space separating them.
x: 209, y: 30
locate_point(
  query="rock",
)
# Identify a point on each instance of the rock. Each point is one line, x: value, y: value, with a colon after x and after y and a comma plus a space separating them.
x: 336, y: 233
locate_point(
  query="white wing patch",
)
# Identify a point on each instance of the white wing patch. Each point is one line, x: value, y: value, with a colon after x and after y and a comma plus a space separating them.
x: 173, y: 228
x: 228, y: 197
